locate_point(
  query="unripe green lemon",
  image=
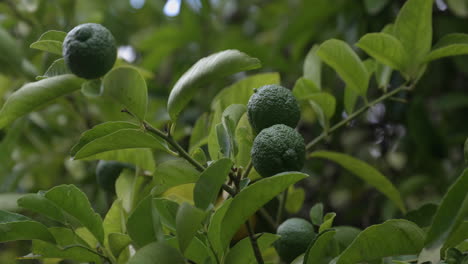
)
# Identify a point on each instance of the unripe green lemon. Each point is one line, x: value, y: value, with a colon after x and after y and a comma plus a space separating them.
x: 89, y: 50
x: 107, y: 173
x: 296, y: 235
x: 277, y: 149
x: 271, y: 105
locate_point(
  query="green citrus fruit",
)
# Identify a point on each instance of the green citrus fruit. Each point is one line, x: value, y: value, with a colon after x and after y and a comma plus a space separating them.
x: 276, y: 149
x: 89, y: 50
x: 107, y: 173
x: 271, y: 105
x: 296, y: 235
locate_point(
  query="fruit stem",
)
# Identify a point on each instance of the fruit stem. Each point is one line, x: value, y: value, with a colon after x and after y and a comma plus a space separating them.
x: 352, y: 116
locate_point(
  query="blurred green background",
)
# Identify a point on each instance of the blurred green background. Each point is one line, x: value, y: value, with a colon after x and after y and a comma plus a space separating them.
x: 416, y: 140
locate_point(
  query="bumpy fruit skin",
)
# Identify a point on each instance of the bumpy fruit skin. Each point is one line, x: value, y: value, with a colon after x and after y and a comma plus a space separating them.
x: 296, y: 235
x: 107, y: 173
x: 277, y: 149
x: 89, y: 50
x: 271, y: 105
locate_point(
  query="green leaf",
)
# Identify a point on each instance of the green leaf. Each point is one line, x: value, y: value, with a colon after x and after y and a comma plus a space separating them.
x: 392, y: 238
x: 422, y: 216
x: 35, y: 95
x: 188, y: 221
x: 159, y: 251
x: 126, y: 86
x: 196, y: 251
x: 452, y: 211
x: 223, y: 141
x: 74, y: 202
x: 215, y: 227
x: 350, y: 99
x: 215, y: 66
x: 327, y: 222
x: 242, y: 252
x: 198, y: 136
x: 18, y: 227
x: 244, y: 139
x: 365, y: 172
x: 167, y: 210
x: 114, y: 220
x: 121, y: 139
x: 58, y: 67
x: 458, y: 7
x: 316, y: 214
x: 40, y: 204
x: 341, y: 57
x: 324, y: 105
x: 385, y: 48
x: 208, y: 185
x: 304, y: 88
x: 313, y: 67
x: 173, y: 173
x: 72, y: 252
x: 316, y: 253
x: 66, y: 236
x: 10, y: 52
x: 345, y: 235
x: 140, y: 224
x: 413, y: 27
x: 230, y: 119
x: 99, y: 131
x: 450, y: 45
x: 295, y: 200
x: 50, y: 41
x: 252, y: 198
x: 118, y: 242
x: 457, y: 237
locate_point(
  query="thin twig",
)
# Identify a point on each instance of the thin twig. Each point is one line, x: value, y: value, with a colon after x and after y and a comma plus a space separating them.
x: 356, y: 114
x: 253, y: 241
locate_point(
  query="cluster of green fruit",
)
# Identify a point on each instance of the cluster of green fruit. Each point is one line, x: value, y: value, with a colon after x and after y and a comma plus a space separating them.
x: 273, y: 112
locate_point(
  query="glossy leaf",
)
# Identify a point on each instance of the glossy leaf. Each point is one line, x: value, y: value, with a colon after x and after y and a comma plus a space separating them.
x: 339, y: 55
x: 313, y: 67
x: 385, y: 48
x: 35, y: 95
x: 114, y: 220
x: 215, y: 66
x: 423, y: 215
x: 140, y: 224
x: 295, y: 200
x: 167, y: 210
x: 365, y: 172
x: 452, y: 211
x: 40, y: 204
x: 118, y: 242
x: 215, y: 227
x: 401, y: 238
x: 450, y: 45
x: 188, y: 221
x: 159, y: 251
x: 252, y: 198
x: 71, y: 252
x: 210, y: 182
x: 350, y: 100
x: 18, y: 227
x: 74, y: 202
x: 413, y: 27
x: 121, y: 139
x: 316, y: 253
x: 324, y: 105
x: 50, y: 41
x: 327, y: 222
x: 196, y: 251
x: 173, y: 173
x: 316, y: 214
x: 230, y: 119
x: 242, y: 252
x: 304, y: 88
x: 127, y: 87
x: 58, y: 67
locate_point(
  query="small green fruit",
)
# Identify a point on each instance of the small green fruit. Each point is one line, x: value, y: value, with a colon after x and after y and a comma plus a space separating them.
x: 296, y: 235
x: 271, y: 105
x: 277, y: 149
x: 89, y: 50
